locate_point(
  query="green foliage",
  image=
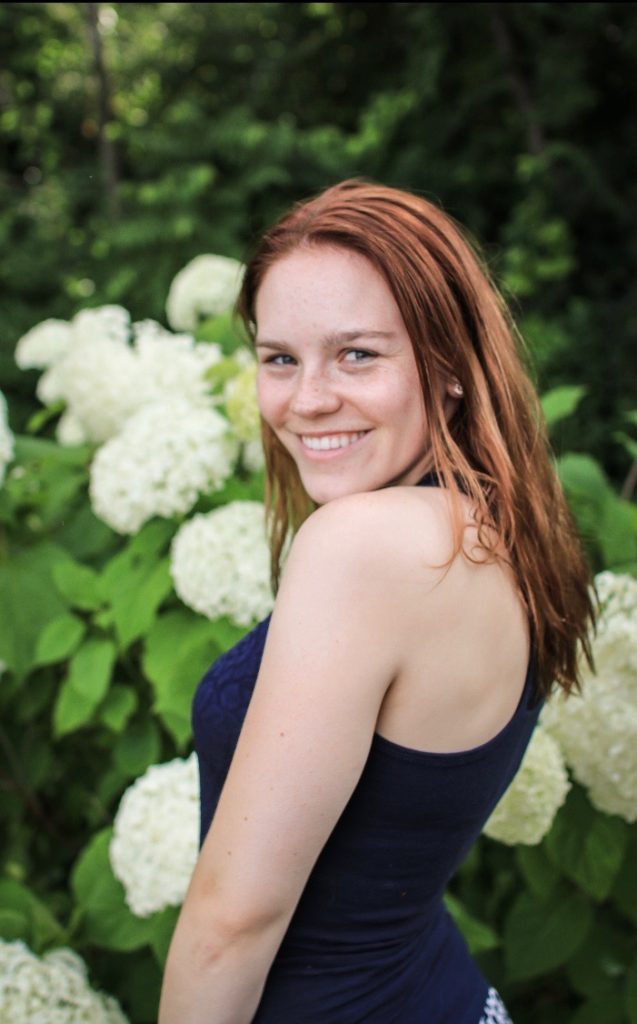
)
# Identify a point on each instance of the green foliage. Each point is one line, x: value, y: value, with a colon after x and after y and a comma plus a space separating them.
x: 222, y: 115
x: 105, y: 919
x: 540, y: 935
x: 588, y: 847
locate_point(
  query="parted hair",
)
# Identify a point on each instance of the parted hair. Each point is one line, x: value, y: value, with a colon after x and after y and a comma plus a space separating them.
x: 495, y: 447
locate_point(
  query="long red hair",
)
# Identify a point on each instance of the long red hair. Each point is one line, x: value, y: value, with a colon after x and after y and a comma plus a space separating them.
x: 495, y: 447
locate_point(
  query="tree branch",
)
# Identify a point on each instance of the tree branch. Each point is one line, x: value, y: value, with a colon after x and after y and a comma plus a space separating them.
x: 517, y: 82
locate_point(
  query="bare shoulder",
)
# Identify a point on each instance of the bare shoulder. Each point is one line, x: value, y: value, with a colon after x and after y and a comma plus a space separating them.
x: 387, y: 531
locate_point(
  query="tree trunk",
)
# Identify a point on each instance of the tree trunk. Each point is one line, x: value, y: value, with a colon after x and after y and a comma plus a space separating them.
x: 107, y: 151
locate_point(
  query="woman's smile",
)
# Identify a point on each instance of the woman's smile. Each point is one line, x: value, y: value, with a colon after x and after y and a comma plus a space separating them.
x: 331, y: 444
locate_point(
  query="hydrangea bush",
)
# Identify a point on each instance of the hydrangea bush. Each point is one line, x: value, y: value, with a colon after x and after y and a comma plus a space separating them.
x: 134, y: 553
x: 53, y: 989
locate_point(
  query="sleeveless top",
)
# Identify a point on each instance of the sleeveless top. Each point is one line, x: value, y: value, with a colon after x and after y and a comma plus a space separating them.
x: 370, y: 941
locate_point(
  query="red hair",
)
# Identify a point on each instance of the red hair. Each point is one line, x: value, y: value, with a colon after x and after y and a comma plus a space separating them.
x: 495, y: 447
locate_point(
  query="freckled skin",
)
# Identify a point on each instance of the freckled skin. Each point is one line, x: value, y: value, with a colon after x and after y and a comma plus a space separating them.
x: 307, y: 386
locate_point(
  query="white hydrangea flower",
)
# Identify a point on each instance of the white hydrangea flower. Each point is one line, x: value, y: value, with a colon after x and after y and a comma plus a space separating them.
x: 252, y: 456
x: 108, y: 322
x: 598, y: 730
x: 53, y: 989
x: 105, y: 370
x: 69, y: 430
x: 526, y: 811
x: 220, y: 563
x: 43, y: 345
x: 7, y: 447
x: 173, y: 364
x: 156, y: 836
x: 100, y: 380
x: 206, y: 286
x: 240, y: 400
x: 165, y: 456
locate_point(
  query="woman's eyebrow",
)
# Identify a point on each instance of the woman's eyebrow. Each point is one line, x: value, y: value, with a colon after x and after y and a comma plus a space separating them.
x: 330, y: 340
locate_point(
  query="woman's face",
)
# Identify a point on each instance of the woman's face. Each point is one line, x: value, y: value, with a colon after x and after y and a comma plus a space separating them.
x: 337, y: 379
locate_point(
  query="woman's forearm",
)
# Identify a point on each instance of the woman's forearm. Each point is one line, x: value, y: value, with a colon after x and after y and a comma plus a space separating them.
x: 215, y: 981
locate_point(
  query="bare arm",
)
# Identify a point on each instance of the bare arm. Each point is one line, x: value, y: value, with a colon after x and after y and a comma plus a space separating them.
x: 327, y: 664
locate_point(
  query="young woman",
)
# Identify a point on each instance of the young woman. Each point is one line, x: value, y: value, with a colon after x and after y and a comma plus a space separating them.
x: 354, y: 744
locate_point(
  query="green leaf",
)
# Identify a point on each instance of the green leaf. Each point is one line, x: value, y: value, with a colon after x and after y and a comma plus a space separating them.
x: 40, y: 418
x: 28, y: 601
x: 137, y: 580
x: 40, y: 929
x: 137, y: 748
x: 38, y: 449
x: 225, y: 330
x: 600, y: 962
x: 59, y: 639
x: 14, y: 925
x: 586, y: 845
x: 540, y: 936
x: 601, y: 516
x: 178, y: 650
x: 136, y: 604
x: 85, y: 685
x: 164, y: 925
x: 107, y: 920
x: 78, y: 584
x: 479, y: 936
x: 627, y: 442
x: 560, y: 402
x: 117, y: 707
x: 539, y: 873
x: 85, y: 536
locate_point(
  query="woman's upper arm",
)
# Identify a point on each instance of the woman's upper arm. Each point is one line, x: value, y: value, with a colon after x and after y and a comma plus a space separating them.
x: 328, y: 661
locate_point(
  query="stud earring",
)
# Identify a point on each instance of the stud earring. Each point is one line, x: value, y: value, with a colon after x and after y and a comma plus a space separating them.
x: 457, y: 389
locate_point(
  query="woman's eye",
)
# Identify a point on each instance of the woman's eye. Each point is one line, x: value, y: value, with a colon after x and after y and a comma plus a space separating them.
x: 358, y: 355
x: 282, y: 359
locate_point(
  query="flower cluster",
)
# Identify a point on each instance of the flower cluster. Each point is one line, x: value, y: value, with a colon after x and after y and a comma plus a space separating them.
x: 43, y: 345
x: 6, y: 438
x: 597, y: 731
x: 526, y: 811
x: 155, y: 837
x: 164, y: 457
x: 53, y: 989
x: 220, y: 563
x: 206, y: 286
x: 104, y: 369
x: 240, y: 398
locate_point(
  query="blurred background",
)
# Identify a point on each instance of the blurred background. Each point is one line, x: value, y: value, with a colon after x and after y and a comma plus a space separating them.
x: 136, y: 136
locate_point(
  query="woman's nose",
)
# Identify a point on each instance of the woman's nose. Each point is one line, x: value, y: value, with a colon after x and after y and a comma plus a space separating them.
x: 314, y: 394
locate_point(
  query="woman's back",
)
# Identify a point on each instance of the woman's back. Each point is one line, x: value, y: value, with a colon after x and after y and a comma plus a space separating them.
x: 465, y: 628
x: 370, y: 940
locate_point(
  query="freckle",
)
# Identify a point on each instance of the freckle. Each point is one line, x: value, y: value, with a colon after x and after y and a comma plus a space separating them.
x: 229, y: 853
x: 245, y: 819
x: 281, y: 734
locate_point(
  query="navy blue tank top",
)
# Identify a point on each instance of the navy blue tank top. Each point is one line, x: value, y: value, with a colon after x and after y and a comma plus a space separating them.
x: 370, y: 941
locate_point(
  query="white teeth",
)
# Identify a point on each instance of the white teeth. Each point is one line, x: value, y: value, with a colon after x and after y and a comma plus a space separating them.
x: 320, y: 444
